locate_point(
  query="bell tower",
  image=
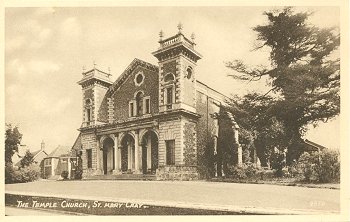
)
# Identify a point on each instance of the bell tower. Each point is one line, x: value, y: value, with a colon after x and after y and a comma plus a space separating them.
x: 177, y: 60
x: 95, y: 84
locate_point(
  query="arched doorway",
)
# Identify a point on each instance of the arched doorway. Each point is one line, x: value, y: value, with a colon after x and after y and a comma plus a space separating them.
x: 149, y: 152
x: 127, y: 153
x: 108, y: 157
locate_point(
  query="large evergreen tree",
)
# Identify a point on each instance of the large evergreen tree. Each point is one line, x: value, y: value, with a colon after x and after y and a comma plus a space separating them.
x: 302, y: 73
x: 12, y: 140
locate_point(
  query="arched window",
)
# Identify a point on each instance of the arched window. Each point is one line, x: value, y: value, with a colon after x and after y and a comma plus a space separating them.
x: 88, y: 114
x: 188, y: 72
x: 88, y: 110
x: 169, y: 77
x: 139, y: 105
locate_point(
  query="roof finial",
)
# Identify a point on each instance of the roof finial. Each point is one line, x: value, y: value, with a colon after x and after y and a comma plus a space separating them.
x: 193, y: 37
x: 180, y: 27
x: 109, y: 70
x: 83, y: 69
x: 161, y: 34
x: 95, y: 64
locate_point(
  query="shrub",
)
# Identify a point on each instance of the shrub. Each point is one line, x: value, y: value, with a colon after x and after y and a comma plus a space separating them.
x: 237, y: 172
x: 277, y: 163
x: 268, y: 174
x: 250, y: 169
x: 9, y: 173
x: 293, y: 171
x: 323, y: 167
x: 64, y: 174
x: 246, y: 171
x: 78, y: 174
x: 22, y: 175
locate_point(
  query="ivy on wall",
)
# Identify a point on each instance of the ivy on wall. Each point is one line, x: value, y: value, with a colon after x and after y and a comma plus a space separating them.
x: 227, y: 148
x: 190, y: 144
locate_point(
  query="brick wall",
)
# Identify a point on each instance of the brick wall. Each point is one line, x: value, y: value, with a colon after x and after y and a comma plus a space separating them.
x: 101, y: 103
x: 125, y: 93
x: 110, y: 112
x: 88, y: 93
x: 173, y: 67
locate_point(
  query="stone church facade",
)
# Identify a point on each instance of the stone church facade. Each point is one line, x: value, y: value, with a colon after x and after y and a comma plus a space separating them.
x: 152, y: 119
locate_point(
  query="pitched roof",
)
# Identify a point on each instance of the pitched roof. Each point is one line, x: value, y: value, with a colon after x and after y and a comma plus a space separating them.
x: 17, y: 160
x: 127, y: 72
x: 138, y: 62
x: 77, y: 143
x: 76, y: 146
x: 312, y: 146
x: 37, y: 152
x: 60, y: 151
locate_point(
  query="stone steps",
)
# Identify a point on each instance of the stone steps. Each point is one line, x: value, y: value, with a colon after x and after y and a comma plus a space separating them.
x: 122, y: 177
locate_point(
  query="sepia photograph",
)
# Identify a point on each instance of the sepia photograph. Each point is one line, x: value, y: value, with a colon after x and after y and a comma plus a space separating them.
x: 168, y: 110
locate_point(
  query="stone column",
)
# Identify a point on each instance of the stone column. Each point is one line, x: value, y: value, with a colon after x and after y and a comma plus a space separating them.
x: 119, y: 150
x: 129, y: 156
x: 116, y: 169
x: 239, y: 147
x: 149, y: 151
x: 53, y: 166
x: 216, y: 155
x: 239, y: 153
x: 69, y: 167
x: 98, y: 161
x: 137, y: 147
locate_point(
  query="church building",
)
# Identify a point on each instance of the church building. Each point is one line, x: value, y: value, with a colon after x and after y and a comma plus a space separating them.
x: 154, y: 119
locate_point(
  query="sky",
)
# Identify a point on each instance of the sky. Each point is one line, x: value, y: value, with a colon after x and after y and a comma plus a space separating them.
x: 47, y: 48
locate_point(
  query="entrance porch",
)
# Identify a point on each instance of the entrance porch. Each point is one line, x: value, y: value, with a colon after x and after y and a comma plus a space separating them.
x: 134, y: 152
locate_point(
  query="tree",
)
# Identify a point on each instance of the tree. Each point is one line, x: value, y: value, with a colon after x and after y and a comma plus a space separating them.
x: 259, y: 130
x: 12, y: 140
x: 27, y: 159
x: 304, y: 80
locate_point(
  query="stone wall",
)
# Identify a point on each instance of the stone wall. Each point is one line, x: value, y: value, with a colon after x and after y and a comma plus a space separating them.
x: 177, y: 173
x: 188, y: 89
x: 227, y: 150
x: 89, y: 142
x: 170, y: 129
x: 189, y: 143
x: 207, y: 130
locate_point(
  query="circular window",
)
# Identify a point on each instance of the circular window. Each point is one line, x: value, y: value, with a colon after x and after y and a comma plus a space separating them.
x: 139, y: 78
x: 189, y: 73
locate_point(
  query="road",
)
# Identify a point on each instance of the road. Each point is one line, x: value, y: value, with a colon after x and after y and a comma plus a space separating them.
x: 192, y: 193
x: 13, y: 211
